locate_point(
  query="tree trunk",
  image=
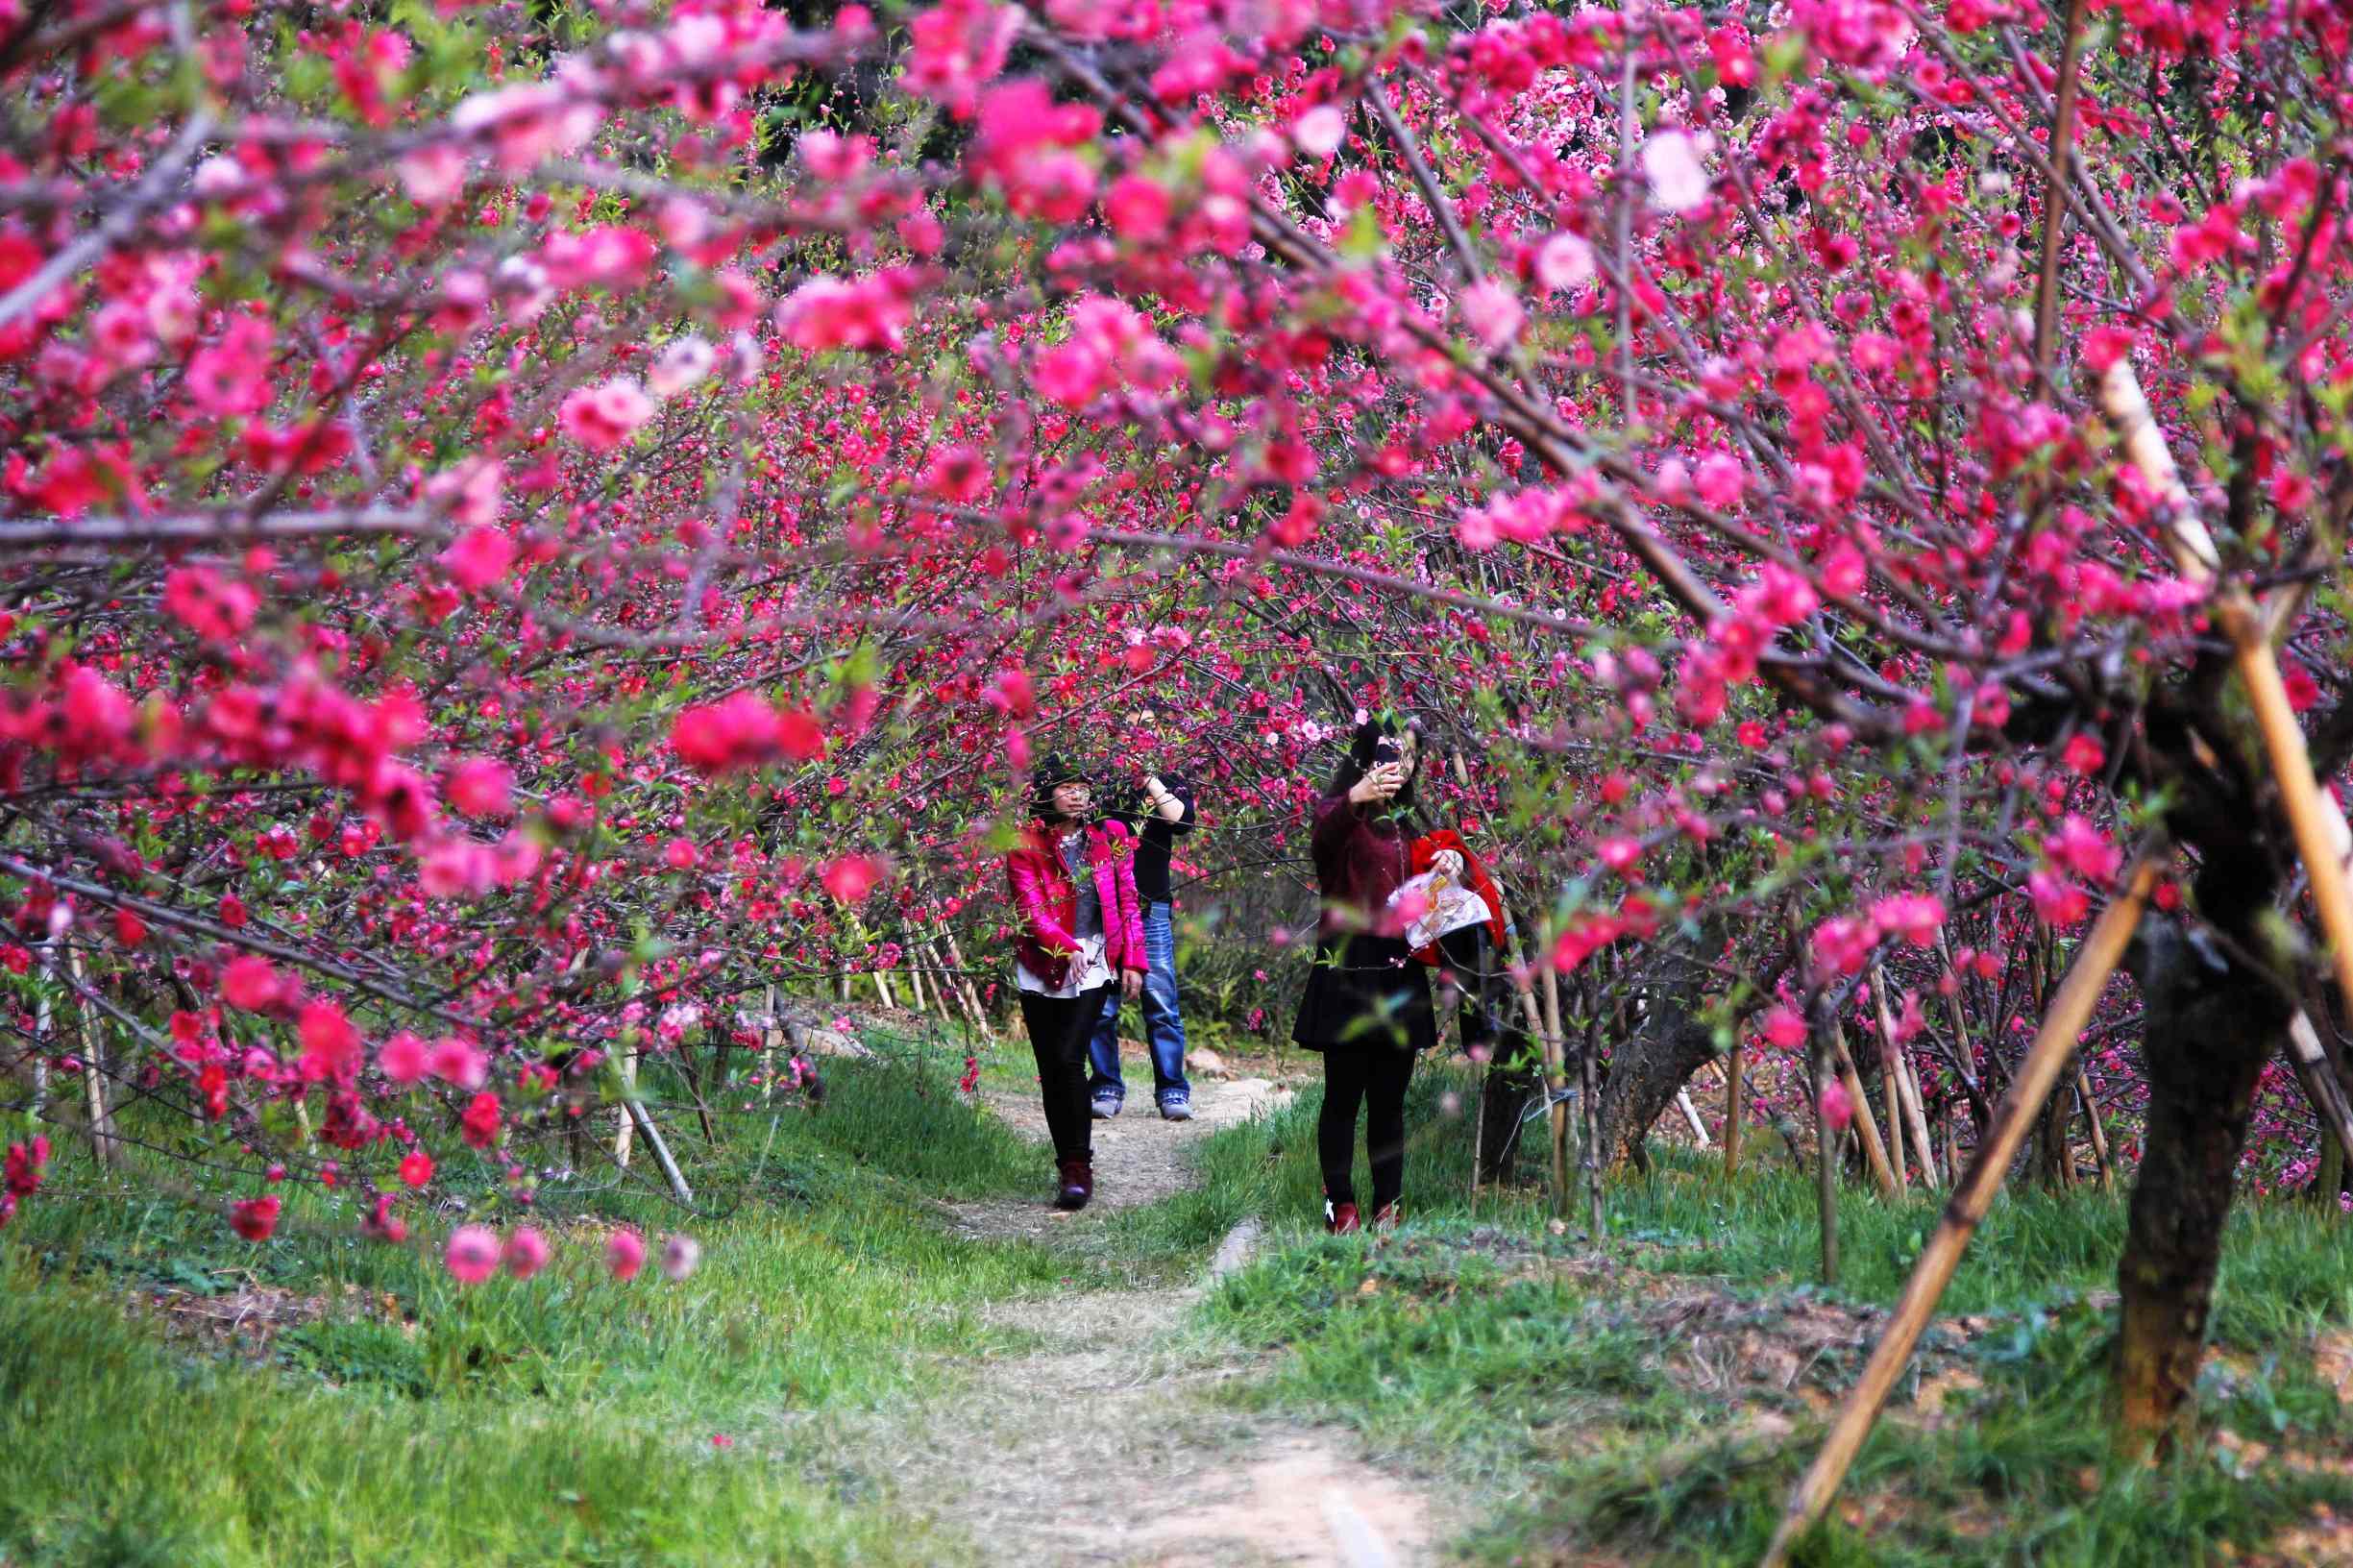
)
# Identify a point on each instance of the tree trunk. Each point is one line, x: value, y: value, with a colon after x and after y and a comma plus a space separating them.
x: 1649, y: 1067
x: 2211, y: 1024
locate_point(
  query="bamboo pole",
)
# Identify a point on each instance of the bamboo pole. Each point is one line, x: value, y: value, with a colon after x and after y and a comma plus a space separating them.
x: 768, y: 1050
x: 1874, y: 1152
x: 2320, y: 1079
x: 2319, y: 832
x: 636, y: 1113
x: 1906, y: 1087
x: 1691, y: 1115
x: 1825, y: 1166
x: 882, y: 989
x: 103, y: 1142
x: 1732, y: 1109
x: 1556, y: 1079
x: 2098, y: 1133
x: 2053, y: 1048
x: 628, y: 1092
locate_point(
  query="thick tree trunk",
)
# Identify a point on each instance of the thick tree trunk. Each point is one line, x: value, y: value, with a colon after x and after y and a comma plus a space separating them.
x: 2211, y: 1024
x: 1651, y: 1066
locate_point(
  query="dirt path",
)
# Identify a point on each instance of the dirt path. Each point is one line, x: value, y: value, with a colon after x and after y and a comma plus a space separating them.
x: 1106, y: 1448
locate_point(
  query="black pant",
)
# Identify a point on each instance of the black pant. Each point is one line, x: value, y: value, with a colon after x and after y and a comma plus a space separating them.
x: 1058, y: 1030
x: 1373, y: 1078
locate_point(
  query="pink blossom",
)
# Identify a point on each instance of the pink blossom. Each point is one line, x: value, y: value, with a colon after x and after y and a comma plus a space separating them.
x: 682, y: 363
x: 1842, y: 944
x: 1137, y: 207
x: 256, y: 1219
x: 480, y: 787
x: 217, y: 609
x: 957, y: 48
x: 2081, y: 848
x: 679, y: 1256
x: 849, y: 878
x: 249, y: 981
x: 471, y: 1254
x: 330, y: 1045
x: 526, y: 1252
x: 401, y: 1058
x: 1837, y: 1106
x: 434, y: 175
x: 1914, y: 917
x: 603, y: 417
x: 1671, y: 165
x: 1565, y: 260
x: 478, y: 557
x: 624, y: 1254
x: 454, y: 1062
x: 1784, y: 1027
x: 1492, y: 313
x: 871, y: 314
x: 1320, y: 131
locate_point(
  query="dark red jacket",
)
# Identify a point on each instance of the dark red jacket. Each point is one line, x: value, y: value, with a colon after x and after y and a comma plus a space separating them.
x: 1358, y: 866
x: 1045, y: 900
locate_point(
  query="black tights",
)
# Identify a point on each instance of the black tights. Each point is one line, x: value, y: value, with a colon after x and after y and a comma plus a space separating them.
x: 1058, y: 1030
x: 1375, y: 1078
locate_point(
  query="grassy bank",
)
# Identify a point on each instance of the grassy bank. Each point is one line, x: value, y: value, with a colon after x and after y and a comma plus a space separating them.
x: 395, y: 1417
x: 1653, y: 1405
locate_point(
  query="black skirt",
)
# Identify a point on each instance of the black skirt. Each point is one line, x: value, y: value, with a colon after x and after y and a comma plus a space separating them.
x: 1366, y: 993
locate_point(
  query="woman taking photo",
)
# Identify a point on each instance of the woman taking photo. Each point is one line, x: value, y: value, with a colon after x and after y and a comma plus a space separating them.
x: 1074, y: 892
x: 1368, y: 1003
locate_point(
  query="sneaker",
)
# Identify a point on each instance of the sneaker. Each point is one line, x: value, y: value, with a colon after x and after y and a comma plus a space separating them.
x: 1106, y: 1105
x: 1340, y: 1218
x: 1388, y: 1216
x: 1176, y: 1107
x: 1077, y: 1185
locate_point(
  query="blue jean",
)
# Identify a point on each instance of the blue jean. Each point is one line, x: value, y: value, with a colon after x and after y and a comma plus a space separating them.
x: 1164, y: 1028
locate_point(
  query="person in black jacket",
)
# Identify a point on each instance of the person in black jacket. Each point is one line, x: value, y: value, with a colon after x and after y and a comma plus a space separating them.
x: 1162, y: 809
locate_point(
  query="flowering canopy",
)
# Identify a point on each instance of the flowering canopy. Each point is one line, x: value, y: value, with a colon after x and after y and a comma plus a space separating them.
x: 522, y: 527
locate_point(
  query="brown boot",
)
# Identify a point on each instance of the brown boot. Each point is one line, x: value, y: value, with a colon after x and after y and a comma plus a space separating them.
x: 1077, y: 1184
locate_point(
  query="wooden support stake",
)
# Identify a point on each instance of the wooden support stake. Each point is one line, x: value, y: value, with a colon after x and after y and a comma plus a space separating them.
x: 2099, y: 1134
x: 2053, y: 1048
x: 1867, y: 1125
x: 636, y: 1113
x: 1555, y: 1075
x: 1826, y: 1157
x: 1691, y: 1115
x: 1908, y: 1089
x: 2319, y: 1080
x: 102, y: 1141
x: 628, y: 1092
x: 1732, y: 1109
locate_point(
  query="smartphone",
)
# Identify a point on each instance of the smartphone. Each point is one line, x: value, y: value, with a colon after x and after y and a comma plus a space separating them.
x: 1385, y: 751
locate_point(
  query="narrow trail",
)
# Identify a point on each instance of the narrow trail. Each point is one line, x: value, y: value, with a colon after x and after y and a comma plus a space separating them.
x: 1105, y: 1448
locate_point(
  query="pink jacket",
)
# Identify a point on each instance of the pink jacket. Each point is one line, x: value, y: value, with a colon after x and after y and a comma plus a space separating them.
x: 1046, y: 900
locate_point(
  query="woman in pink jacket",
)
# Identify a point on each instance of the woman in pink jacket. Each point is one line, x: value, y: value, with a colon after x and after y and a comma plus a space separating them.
x: 1073, y: 889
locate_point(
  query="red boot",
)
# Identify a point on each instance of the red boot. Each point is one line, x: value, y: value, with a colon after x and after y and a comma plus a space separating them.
x: 1340, y: 1218
x: 1077, y: 1184
x: 1387, y: 1216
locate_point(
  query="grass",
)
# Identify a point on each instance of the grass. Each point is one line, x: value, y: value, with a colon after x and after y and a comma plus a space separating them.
x: 569, y: 1418
x: 1502, y: 1356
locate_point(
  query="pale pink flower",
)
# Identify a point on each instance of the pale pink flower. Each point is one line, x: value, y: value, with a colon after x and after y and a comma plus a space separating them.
x: 1671, y: 165
x: 471, y: 1254
x: 1564, y: 261
x: 526, y: 1252
x: 603, y: 417
x: 680, y: 1253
